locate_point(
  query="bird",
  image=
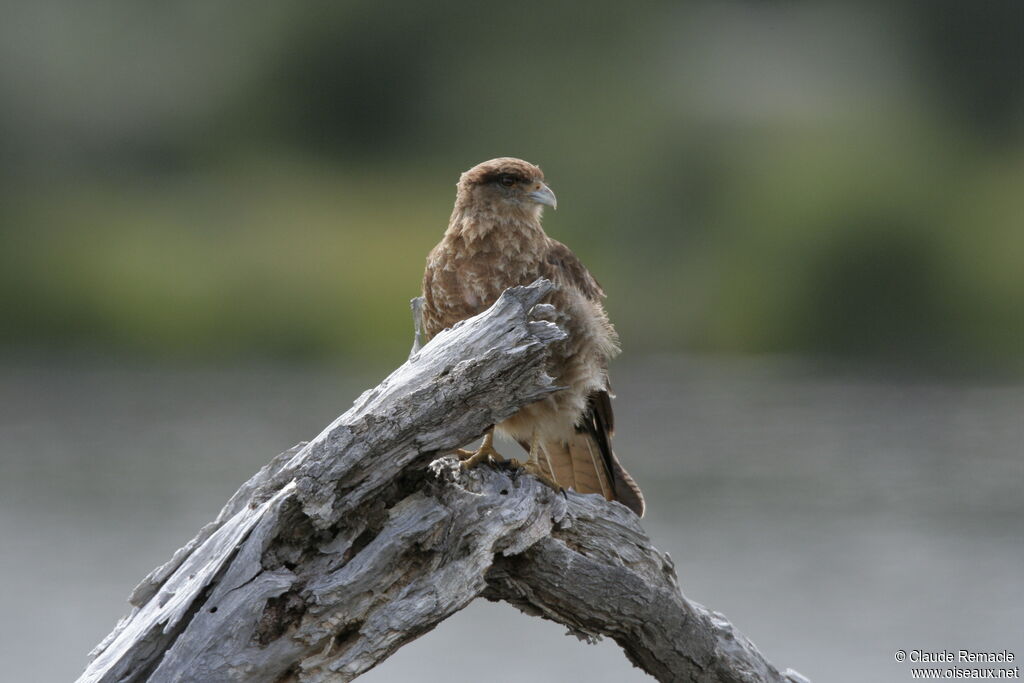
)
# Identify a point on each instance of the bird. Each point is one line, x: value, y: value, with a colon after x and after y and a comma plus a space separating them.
x: 494, y: 241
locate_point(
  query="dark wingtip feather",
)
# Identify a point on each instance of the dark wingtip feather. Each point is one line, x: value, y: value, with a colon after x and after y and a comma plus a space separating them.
x: 599, y: 421
x: 626, y: 489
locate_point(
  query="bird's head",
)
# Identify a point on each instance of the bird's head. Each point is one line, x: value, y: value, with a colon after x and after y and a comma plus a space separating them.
x: 505, y: 185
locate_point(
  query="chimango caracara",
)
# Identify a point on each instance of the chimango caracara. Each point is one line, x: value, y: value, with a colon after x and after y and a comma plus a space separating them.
x: 495, y: 241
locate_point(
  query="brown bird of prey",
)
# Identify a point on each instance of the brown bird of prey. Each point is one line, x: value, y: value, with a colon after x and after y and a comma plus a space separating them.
x: 495, y: 241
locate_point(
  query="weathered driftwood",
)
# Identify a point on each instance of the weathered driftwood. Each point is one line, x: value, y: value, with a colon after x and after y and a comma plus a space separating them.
x: 341, y: 550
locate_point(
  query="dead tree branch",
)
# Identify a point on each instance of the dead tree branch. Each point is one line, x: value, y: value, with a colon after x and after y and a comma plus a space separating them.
x: 341, y: 550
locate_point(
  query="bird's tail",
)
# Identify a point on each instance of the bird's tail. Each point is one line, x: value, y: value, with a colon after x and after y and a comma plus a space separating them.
x: 586, y: 465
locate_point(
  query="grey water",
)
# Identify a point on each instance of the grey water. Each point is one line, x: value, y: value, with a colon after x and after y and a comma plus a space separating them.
x: 834, y: 516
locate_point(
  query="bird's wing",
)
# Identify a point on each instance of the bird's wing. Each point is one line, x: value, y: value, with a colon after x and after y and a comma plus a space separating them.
x: 599, y: 426
x: 586, y: 462
x: 444, y: 293
x: 562, y: 267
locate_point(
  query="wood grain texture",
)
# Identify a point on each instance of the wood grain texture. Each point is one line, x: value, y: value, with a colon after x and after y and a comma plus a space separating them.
x: 341, y: 550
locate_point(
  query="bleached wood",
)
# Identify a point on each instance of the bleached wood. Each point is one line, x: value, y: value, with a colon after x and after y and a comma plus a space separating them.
x: 341, y: 550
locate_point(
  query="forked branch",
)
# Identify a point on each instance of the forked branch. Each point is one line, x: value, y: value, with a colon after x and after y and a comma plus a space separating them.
x: 341, y: 550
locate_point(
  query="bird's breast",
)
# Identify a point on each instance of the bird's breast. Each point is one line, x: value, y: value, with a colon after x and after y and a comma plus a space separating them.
x: 462, y: 282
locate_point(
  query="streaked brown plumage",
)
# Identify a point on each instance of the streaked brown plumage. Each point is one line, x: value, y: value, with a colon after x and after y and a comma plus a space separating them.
x: 495, y: 241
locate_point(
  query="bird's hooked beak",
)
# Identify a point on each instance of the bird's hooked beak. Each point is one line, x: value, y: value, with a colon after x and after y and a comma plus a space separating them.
x: 544, y: 195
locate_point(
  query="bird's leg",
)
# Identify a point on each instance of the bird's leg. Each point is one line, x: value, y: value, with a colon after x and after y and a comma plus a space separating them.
x: 533, y: 466
x: 473, y: 458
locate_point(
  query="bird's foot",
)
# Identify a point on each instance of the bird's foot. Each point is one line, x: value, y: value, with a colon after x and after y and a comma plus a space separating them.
x: 471, y: 459
x: 486, y: 451
x: 533, y: 467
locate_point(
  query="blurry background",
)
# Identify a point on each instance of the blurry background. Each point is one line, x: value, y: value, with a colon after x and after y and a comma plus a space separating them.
x: 808, y: 218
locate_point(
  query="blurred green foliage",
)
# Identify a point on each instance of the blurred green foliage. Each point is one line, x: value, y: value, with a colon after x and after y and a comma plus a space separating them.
x: 215, y: 180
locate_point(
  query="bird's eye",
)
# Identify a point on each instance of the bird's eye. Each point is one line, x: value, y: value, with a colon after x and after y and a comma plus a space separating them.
x: 507, y: 180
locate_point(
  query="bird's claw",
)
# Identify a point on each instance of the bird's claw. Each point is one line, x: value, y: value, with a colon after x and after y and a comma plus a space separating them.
x: 471, y: 459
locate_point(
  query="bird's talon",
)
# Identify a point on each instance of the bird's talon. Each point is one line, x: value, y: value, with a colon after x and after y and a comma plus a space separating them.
x: 486, y: 451
x: 475, y: 459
